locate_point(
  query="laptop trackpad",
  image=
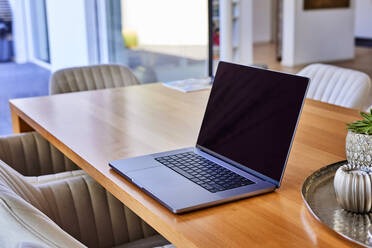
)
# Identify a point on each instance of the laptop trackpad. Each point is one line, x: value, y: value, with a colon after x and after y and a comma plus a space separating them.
x: 134, y: 164
x: 170, y: 187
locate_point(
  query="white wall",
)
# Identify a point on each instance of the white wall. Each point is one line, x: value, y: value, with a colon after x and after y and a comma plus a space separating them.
x: 316, y: 35
x: 245, y: 49
x: 363, y: 19
x: 167, y: 22
x: 236, y: 41
x: 262, y: 20
x: 289, y: 20
x: 68, y: 40
x: 227, y: 35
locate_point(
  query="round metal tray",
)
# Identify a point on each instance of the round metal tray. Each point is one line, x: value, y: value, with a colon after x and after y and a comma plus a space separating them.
x: 319, y: 196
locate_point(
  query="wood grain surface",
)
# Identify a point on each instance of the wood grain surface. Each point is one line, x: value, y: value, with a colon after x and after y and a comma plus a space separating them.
x: 93, y: 128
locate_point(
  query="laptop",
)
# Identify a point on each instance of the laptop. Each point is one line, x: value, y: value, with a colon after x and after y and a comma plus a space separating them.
x: 242, y: 147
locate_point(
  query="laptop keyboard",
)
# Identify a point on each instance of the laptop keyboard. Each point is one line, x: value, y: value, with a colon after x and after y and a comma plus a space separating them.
x: 203, y: 172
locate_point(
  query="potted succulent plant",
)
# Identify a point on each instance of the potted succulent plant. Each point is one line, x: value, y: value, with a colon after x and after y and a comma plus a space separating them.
x: 359, y: 141
x: 353, y: 181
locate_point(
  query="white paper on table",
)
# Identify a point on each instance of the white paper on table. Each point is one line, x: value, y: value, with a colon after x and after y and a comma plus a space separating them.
x: 188, y: 85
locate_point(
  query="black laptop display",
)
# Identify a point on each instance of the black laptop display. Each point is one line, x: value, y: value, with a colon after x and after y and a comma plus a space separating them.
x: 251, y: 117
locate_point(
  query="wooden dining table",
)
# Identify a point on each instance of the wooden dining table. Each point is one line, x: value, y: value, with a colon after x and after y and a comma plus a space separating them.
x: 95, y: 127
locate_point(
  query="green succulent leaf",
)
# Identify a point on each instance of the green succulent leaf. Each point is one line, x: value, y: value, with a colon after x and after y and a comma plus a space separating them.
x: 368, y: 117
x: 363, y: 126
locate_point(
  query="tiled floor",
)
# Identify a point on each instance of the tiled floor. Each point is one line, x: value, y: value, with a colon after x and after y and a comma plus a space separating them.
x: 362, y: 61
x: 17, y: 81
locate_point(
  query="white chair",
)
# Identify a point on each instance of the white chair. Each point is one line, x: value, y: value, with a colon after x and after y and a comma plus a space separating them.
x: 339, y: 86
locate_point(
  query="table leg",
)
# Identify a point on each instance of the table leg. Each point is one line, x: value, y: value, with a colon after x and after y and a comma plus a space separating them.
x: 19, y: 125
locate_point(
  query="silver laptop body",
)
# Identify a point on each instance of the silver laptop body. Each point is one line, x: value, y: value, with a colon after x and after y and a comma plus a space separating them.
x: 243, y: 143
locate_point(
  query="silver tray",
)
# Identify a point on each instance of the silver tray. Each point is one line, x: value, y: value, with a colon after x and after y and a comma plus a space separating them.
x: 320, y: 199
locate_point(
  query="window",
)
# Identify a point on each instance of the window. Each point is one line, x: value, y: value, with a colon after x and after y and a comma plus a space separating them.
x: 161, y: 40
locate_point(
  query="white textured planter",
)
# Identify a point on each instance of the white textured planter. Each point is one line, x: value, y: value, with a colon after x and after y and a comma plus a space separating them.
x: 353, y: 187
x: 359, y: 149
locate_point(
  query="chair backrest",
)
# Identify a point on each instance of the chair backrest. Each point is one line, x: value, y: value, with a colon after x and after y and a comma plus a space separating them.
x: 22, y: 222
x: 339, y: 86
x: 91, y: 78
x: 65, y: 210
x: 32, y: 155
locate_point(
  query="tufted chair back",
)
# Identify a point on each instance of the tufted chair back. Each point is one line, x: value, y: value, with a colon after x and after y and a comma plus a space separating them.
x: 91, y: 78
x: 70, y: 210
x: 339, y: 86
x: 32, y: 155
x: 23, y: 215
x: 60, y: 209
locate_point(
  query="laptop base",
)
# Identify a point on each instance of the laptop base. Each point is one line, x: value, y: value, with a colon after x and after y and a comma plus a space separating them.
x: 178, y: 193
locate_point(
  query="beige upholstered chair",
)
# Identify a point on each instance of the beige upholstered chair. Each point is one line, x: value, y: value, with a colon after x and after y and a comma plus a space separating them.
x: 31, y: 155
x: 340, y: 86
x: 91, y: 78
x: 67, y: 209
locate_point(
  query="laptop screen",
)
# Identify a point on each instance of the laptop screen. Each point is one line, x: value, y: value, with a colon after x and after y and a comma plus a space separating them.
x: 251, y: 117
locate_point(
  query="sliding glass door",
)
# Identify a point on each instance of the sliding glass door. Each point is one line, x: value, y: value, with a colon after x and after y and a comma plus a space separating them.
x: 161, y: 40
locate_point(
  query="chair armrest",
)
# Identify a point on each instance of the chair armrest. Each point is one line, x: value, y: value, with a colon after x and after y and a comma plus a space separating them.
x: 38, y: 180
x: 31, y: 155
x: 85, y: 210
